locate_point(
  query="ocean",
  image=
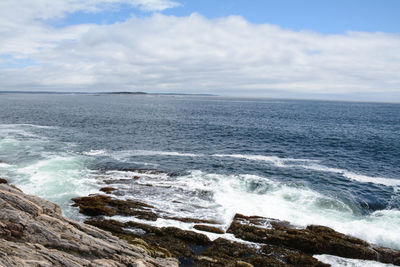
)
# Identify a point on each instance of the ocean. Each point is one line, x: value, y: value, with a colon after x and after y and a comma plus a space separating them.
x: 309, y: 162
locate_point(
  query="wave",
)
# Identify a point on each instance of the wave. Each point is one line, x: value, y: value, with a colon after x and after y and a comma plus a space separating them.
x: 94, y: 152
x: 4, y: 165
x: 22, y: 130
x: 277, y: 161
x: 161, y: 153
x: 219, y: 197
x: 313, y: 165
x: 29, y: 125
x: 354, y: 176
x: 309, y: 164
x: 124, y: 155
x: 55, y: 177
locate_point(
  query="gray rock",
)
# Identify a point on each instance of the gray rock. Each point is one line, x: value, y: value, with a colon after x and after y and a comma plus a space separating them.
x: 33, y: 232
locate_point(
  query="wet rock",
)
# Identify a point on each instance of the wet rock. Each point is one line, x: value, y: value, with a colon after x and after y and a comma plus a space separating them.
x: 194, y: 249
x: 33, y: 232
x: 207, y: 228
x: 191, y: 220
x: 3, y: 181
x: 107, y: 190
x: 97, y: 205
x: 312, y: 240
x: 163, y: 242
x: 119, y: 181
x: 273, y: 242
x: 228, y: 253
x: 243, y: 264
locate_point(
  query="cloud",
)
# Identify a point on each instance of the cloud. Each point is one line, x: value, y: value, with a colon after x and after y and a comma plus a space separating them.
x: 45, y: 9
x: 229, y: 55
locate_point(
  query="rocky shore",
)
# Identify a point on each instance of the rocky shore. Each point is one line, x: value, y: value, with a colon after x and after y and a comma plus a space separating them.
x: 34, y: 233
x: 248, y: 241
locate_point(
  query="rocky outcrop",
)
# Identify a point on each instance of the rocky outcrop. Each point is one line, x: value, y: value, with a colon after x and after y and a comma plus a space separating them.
x: 315, y: 239
x: 33, y: 232
x: 196, y: 249
x: 259, y: 241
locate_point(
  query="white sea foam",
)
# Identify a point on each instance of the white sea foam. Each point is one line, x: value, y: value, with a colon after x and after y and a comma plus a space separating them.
x: 161, y: 153
x: 301, y: 206
x: 184, y: 226
x: 4, y: 165
x: 34, y: 126
x: 219, y: 197
x: 354, y: 176
x: 94, y: 152
x: 57, y: 178
x: 125, y: 155
x: 335, y: 261
x: 21, y: 130
x: 277, y: 161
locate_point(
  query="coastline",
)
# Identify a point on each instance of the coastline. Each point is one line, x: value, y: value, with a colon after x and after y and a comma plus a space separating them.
x: 35, y: 227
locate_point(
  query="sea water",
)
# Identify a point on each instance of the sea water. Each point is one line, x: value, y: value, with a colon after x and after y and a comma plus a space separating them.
x: 309, y: 162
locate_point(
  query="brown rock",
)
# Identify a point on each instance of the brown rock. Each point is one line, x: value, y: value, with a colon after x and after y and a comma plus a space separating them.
x: 207, y: 228
x: 312, y: 240
x: 104, y: 205
x: 107, y: 190
x: 191, y: 220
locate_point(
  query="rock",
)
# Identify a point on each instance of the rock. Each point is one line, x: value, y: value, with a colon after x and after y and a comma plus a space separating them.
x: 193, y: 248
x: 34, y: 233
x: 207, y: 228
x: 3, y: 181
x: 165, y: 241
x: 274, y: 242
x: 107, y: 190
x: 243, y: 264
x: 104, y: 205
x: 229, y: 253
x: 312, y: 240
x: 191, y: 220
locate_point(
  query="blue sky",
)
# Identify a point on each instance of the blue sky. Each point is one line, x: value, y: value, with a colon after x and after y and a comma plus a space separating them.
x: 324, y: 16
x: 320, y: 49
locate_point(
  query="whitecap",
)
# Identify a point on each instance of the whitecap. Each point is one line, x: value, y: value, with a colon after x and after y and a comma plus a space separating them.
x: 4, y: 165
x: 94, y: 152
x: 124, y: 155
x: 354, y: 176
x: 28, y: 125
x: 313, y: 165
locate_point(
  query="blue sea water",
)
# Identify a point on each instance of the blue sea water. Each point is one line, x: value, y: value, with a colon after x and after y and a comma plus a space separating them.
x: 309, y: 162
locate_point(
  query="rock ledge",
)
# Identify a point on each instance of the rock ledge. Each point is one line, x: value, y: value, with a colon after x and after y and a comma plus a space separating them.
x: 33, y: 232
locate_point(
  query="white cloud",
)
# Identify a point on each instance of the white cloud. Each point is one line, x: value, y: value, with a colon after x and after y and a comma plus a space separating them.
x: 47, y: 9
x: 195, y: 54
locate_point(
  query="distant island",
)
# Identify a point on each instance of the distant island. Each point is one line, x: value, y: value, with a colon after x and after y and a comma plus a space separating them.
x: 102, y: 93
x: 125, y: 93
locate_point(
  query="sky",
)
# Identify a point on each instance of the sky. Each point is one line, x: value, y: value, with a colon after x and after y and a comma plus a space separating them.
x: 313, y: 49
